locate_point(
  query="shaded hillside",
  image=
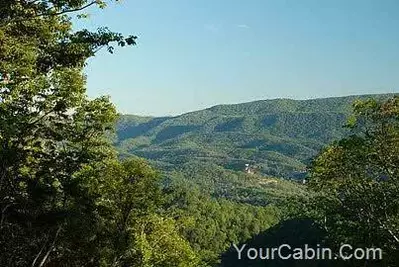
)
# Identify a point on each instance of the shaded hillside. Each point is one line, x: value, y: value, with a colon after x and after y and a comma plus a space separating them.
x: 278, y: 137
x: 294, y: 233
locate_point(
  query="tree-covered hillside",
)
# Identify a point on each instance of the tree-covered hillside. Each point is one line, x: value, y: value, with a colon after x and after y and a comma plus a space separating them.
x: 277, y: 137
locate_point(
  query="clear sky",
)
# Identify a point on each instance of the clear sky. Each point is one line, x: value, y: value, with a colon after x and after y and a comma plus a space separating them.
x: 193, y: 54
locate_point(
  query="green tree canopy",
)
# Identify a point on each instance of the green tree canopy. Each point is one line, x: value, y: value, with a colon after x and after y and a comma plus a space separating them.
x: 130, y: 228
x: 357, y: 180
x: 49, y: 130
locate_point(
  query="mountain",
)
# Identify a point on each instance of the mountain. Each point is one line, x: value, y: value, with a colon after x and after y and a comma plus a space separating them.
x: 277, y: 137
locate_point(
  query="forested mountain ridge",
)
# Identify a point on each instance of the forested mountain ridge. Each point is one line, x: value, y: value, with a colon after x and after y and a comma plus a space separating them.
x: 278, y: 137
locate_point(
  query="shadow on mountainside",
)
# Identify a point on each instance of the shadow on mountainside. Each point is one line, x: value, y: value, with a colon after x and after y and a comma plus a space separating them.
x: 134, y: 130
x: 295, y: 233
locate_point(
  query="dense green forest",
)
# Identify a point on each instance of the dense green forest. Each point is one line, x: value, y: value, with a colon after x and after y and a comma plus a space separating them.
x: 277, y: 137
x: 82, y: 186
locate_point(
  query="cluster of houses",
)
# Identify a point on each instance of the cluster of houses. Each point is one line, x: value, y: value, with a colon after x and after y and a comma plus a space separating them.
x: 298, y: 175
x: 249, y: 169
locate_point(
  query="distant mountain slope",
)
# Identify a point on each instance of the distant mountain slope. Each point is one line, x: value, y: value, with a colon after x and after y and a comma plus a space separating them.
x: 277, y: 137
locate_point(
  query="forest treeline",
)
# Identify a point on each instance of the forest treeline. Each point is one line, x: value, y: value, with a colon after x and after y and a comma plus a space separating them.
x: 69, y: 198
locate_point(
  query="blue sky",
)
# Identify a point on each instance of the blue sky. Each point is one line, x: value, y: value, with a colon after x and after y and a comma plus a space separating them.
x: 193, y: 54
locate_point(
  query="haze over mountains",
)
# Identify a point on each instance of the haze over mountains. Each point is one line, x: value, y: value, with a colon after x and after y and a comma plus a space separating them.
x: 277, y: 137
